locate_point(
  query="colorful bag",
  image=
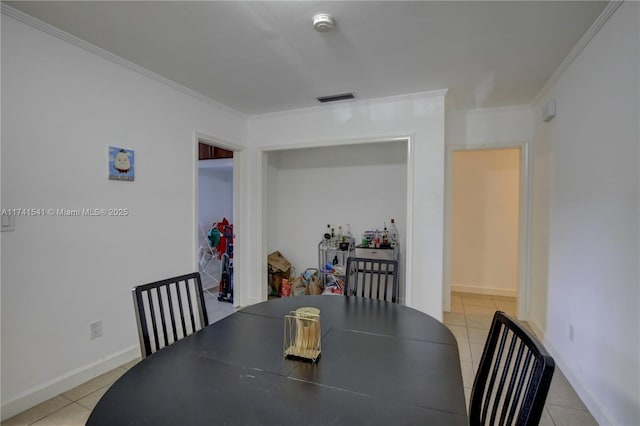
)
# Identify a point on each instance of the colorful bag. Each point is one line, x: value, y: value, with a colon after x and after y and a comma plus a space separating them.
x: 285, y: 290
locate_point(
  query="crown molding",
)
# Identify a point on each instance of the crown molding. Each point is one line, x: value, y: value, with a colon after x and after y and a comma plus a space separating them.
x: 573, y: 54
x: 492, y: 110
x: 354, y: 103
x: 91, y: 48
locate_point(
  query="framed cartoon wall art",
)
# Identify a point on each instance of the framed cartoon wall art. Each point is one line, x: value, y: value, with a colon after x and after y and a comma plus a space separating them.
x: 121, y: 164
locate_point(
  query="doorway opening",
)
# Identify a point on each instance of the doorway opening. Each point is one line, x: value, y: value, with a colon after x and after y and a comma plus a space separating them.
x: 360, y: 185
x: 486, y: 231
x: 215, y: 222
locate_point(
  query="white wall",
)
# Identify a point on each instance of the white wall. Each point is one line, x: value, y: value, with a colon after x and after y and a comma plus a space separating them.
x: 61, y: 103
x: 364, y: 185
x: 489, y: 126
x: 420, y: 116
x: 587, y: 172
x: 485, y: 219
x: 61, y: 108
x: 215, y: 196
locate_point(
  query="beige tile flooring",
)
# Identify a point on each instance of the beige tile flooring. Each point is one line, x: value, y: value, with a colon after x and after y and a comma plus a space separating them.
x: 70, y: 408
x: 216, y: 310
x: 469, y: 321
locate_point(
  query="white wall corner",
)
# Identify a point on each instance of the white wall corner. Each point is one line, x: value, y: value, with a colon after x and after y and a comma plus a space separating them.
x: 98, y: 51
x: 602, y: 19
x: 597, y: 411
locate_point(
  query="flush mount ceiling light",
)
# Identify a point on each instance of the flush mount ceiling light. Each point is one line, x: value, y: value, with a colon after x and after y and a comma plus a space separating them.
x: 323, y: 22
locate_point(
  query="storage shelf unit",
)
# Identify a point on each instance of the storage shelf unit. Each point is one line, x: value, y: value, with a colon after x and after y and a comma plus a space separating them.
x: 330, y: 251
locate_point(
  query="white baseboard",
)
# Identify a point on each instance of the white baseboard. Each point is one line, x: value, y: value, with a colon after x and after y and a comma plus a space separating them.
x: 484, y: 290
x: 65, y: 382
x: 596, y: 410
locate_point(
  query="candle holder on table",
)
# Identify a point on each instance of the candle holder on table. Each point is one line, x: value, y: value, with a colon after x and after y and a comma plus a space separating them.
x: 302, y: 334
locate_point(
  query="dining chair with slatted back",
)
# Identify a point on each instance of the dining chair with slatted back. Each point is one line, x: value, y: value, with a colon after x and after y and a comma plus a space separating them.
x: 513, y: 378
x: 372, y: 278
x: 169, y: 310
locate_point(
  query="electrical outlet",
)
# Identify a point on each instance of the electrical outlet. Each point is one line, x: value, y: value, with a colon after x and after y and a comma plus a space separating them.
x: 571, y: 332
x: 96, y: 329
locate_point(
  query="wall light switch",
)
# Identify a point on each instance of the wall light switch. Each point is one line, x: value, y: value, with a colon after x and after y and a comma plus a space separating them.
x: 8, y: 223
x: 571, y: 334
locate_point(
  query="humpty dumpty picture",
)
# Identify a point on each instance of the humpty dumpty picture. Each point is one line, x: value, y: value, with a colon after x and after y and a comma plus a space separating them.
x: 121, y: 164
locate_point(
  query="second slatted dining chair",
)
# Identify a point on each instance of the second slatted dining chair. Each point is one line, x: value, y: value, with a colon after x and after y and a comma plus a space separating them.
x: 372, y: 278
x: 168, y: 310
x: 513, y: 378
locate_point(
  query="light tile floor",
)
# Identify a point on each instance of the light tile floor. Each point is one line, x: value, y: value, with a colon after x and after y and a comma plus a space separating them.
x: 70, y: 408
x: 210, y: 271
x: 216, y: 310
x: 469, y: 321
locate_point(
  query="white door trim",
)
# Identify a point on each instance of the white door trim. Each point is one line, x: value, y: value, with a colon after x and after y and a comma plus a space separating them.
x: 262, y: 156
x: 240, y: 221
x: 523, y: 222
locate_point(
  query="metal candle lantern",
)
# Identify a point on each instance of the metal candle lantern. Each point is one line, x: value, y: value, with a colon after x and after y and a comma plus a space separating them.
x: 302, y: 334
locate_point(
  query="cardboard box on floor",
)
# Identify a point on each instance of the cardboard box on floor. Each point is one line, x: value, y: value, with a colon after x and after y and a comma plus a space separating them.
x: 278, y: 262
x: 278, y: 267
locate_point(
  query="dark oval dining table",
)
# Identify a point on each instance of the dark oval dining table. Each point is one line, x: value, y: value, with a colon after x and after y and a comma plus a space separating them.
x: 381, y: 364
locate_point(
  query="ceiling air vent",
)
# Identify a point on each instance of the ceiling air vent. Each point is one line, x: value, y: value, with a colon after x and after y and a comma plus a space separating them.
x: 334, y: 98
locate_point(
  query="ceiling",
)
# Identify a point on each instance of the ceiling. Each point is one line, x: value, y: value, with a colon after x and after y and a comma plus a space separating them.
x: 265, y: 56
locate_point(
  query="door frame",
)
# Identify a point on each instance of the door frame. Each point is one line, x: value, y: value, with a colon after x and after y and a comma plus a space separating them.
x: 524, y: 226
x: 239, y: 219
x: 263, y: 154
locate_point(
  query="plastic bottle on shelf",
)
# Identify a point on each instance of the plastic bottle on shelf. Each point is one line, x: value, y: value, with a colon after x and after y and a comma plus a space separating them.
x: 393, y: 232
x: 326, y: 236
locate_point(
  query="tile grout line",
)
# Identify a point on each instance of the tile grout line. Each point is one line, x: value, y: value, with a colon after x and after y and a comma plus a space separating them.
x: 53, y: 412
x: 567, y: 407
